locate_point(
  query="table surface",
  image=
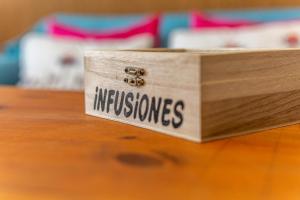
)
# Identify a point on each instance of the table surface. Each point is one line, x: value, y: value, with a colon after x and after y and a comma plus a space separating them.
x: 49, y: 149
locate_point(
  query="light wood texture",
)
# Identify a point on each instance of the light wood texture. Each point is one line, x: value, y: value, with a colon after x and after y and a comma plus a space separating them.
x: 51, y: 150
x: 224, y: 92
x: 248, y: 91
x: 17, y: 16
x: 165, y: 78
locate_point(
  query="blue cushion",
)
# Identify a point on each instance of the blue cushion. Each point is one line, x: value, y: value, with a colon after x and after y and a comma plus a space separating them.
x: 12, y: 49
x: 170, y: 21
x: 9, y: 70
x: 262, y: 15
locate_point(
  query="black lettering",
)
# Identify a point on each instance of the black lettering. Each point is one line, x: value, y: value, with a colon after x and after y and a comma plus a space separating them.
x: 136, y: 105
x: 165, y: 112
x: 178, y: 114
x: 102, y: 99
x: 128, y: 109
x: 96, y: 98
x: 154, y: 109
x: 143, y: 115
x: 139, y: 107
x: 118, y: 110
x: 110, y: 100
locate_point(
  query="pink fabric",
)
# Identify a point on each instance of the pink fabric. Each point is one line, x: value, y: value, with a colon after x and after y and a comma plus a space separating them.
x: 198, y: 20
x: 149, y: 25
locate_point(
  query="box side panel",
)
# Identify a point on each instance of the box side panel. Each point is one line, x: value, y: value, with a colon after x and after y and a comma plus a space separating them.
x: 247, y: 114
x: 250, y: 65
x: 168, y: 102
x: 248, y: 92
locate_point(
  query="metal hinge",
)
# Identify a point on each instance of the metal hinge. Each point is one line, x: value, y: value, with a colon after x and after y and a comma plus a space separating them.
x: 134, y: 78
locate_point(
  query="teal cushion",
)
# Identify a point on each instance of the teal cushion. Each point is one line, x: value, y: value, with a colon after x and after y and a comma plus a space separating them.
x: 169, y: 22
x: 261, y: 15
x: 9, y: 70
x: 9, y: 62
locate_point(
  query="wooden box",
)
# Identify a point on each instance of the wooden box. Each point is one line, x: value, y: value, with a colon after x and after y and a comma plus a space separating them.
x: 195, y: 95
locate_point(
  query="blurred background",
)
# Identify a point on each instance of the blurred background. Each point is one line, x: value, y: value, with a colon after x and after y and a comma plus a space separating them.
x: 42, y: 43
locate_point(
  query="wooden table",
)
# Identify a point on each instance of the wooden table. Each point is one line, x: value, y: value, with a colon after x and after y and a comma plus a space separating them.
x: 49, y: 149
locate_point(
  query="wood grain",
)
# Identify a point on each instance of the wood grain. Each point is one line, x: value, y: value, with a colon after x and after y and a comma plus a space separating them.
x: 224, y: 92
x: 17, y: 16
x: 246, y: 114
x: 165, y: 78
x: 249, y: 91
x: 51, y: 150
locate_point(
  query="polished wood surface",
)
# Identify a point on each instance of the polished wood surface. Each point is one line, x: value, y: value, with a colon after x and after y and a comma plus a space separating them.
x: 49, y: 149
x: 16, y: 16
